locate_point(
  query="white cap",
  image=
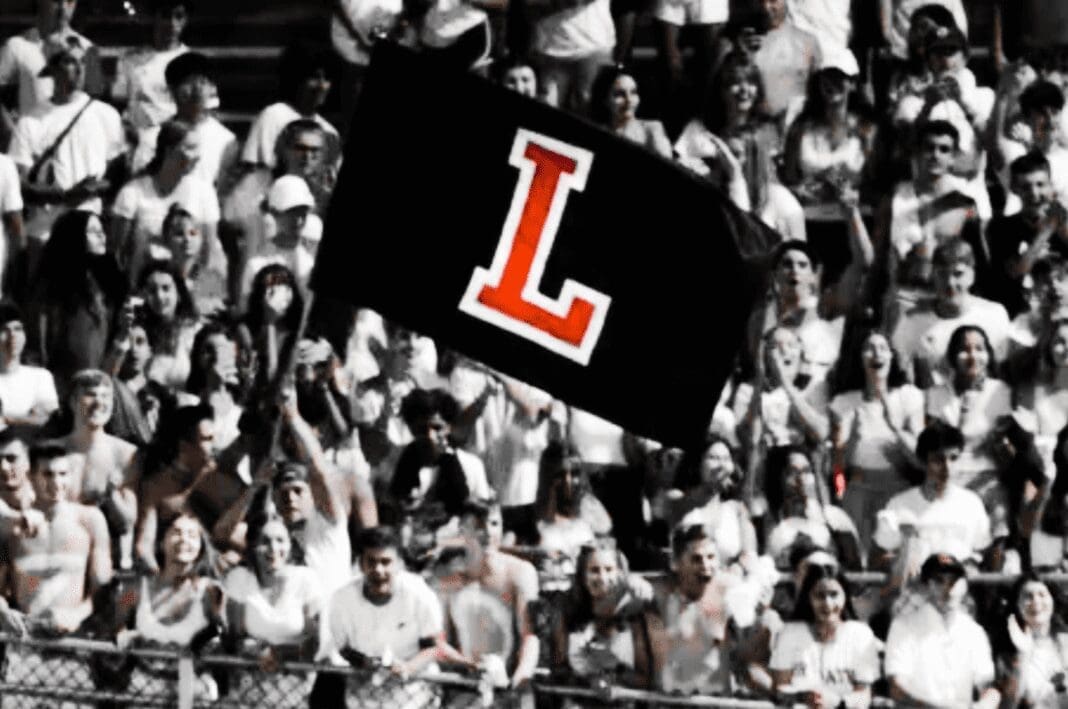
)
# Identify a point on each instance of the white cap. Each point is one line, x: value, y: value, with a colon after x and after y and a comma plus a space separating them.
x: 841, y: 59
x: 313, y: 228
x: 289, y: 191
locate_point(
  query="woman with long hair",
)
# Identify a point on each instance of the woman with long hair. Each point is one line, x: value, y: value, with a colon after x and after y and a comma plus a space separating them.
x: 824, y: 654
x: 1047, y: 394
x: 734, y: 144
x: 875, y: 424
x: 171, y: 322
x: 79, y: 290
x: 830, y: 144
x: 568, y: 514
x: 799, y: 511
x: 273, y: 607
x: 1030, y: 644
x: 607, y: 632
x: 143, y: 203
x: 973, y: 400
x: 182, y: 607
x: 275, y: 306
x: 707, y: 491
x: 188, y: 248
x: 216, y: 378
x: 614, y: 105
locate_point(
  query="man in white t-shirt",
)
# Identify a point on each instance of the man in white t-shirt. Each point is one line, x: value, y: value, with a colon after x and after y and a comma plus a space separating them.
x: 936, y: 654
x: 921, y: 335
x: 11, y: 227
x: 27, y: 393
x: 140, y: 83
x: 388, y: 622
x: 63, y: 169
x: 23, y: 56
x: 305, y: 85
x: 309, y: 504
x: 938, y: 516
x: 787, y: 58
x: 190, y: 78
x: 829, y: 21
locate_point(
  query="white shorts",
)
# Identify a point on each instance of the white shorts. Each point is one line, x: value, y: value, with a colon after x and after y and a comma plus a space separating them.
x: 692, y: 12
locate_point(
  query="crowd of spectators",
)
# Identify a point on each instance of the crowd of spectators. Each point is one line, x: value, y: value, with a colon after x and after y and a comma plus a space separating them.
x: 194, y: 456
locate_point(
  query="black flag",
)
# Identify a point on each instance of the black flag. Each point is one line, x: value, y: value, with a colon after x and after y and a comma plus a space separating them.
x: 542, y: 246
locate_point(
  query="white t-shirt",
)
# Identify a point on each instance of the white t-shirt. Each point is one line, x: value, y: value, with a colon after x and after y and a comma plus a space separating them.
x: 140, y: 80
x: 974, y: 413
x: 327, y: 551
x: 878, y: 444
x: 955, y: 523
x: 577, y: 32
x: 936, y: 660
x: 787, y: 58
x: 95, y: 140
x: 831, y: 668
x: 213, y: 138
x: 828, y: 21
x: 782, y: 212
x: 26, y: 390
x: 262, y: 136
x: 514, y: 445
x: 10, y: 198
x: 140, y: 202
x: 395, y: 628
x: 922, y: 335
x: 597, y: 440
x: 279, y: 621
x: 21, y: 60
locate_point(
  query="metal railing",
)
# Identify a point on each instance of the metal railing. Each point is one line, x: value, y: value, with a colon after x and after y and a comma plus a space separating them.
x: 75, y: 672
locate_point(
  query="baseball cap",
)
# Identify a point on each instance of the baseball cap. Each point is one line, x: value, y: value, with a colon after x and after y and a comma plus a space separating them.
x: 840, y: 59
x: 946, y: 38
x: 56, y: 49
x: 289, y: 191
x: 937, y: 564
x: 288, y: 471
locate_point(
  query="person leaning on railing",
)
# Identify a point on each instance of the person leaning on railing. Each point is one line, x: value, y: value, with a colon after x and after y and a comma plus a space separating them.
x: 613, y: 635
x: 273, y: 605
x: 182, y: 607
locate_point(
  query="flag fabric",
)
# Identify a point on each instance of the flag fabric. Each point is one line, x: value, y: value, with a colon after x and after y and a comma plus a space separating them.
x: 542, y: 246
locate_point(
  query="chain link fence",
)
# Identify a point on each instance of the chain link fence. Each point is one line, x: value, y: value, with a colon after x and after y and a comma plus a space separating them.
x: 75, y: 673
x: 86, y: 674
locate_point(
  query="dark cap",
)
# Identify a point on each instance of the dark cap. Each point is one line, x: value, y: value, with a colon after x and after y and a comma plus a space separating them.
x: 949, y: 39
x: 58, y: 49
x: 288, y: 471
x: 938, y: 564
x: 189, y: 64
